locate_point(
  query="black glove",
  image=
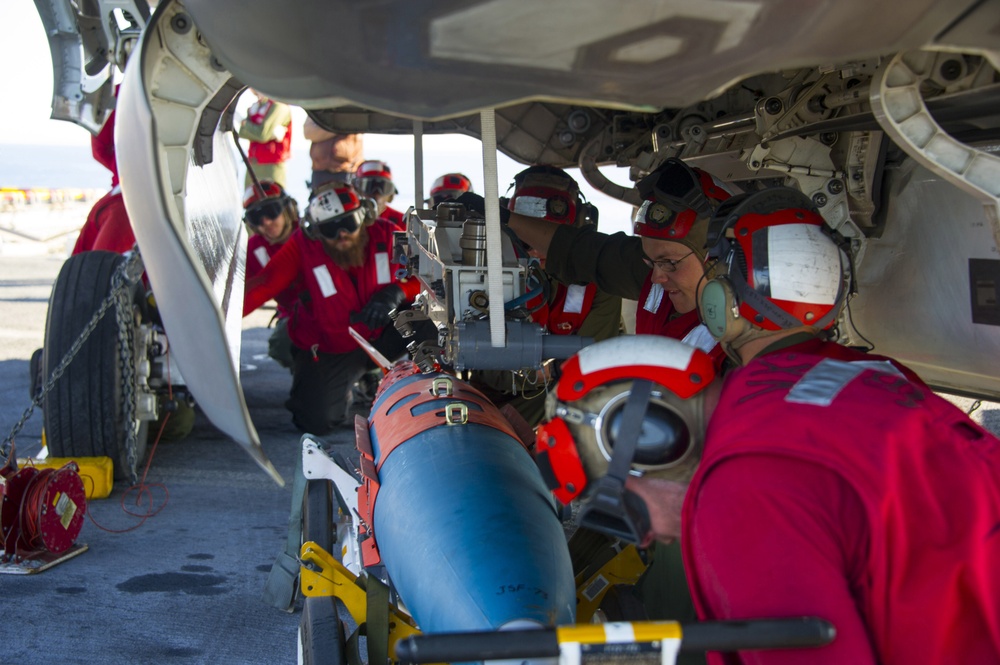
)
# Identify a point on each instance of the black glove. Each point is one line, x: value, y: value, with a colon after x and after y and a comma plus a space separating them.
x: 375, y: 313
x: 476, y: 203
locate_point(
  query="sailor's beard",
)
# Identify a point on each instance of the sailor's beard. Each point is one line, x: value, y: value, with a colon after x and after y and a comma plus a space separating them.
x: 351, y: 257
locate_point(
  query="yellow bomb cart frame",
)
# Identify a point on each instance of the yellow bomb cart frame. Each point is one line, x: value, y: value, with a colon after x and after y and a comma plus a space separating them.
x: 333, y: 579
x: 323, y: 577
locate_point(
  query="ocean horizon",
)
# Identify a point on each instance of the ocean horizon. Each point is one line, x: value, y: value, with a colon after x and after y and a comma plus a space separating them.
x: 49, y: 166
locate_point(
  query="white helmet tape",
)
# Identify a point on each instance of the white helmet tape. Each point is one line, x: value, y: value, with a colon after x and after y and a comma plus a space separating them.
x: 804, y: 265
x: 326, y: 206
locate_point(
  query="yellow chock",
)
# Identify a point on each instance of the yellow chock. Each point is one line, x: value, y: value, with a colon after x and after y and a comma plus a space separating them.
x: 97, y: 473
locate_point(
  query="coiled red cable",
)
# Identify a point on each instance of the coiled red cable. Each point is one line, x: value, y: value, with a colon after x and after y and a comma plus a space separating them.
x: 51, y: 510
x: 30, y: 512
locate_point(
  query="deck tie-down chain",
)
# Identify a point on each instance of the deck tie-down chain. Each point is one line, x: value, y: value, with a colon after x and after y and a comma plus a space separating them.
x: 122, y: 281
x: 121, y: 290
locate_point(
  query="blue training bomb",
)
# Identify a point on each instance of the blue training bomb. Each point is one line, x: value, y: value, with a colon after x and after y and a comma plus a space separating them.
x: 454, y: 507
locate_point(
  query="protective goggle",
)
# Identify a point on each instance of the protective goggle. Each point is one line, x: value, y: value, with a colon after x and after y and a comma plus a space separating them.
x: 635, y: 432
x: 675, y: 196
x: 336, y: 210
x: 624, y: 406
x: 261, y: 211
x: 443, y: 195
x: 349, y: 222
x: 678, y: 187
x: 662, y: 442
x: 374, y: 186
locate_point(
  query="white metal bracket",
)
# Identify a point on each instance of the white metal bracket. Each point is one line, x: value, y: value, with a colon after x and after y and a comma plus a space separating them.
x: 900, y: 109
x: 317, y: 465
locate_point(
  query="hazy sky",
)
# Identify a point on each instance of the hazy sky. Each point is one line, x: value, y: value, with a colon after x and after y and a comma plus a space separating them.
x: 28, y: 70
x: 24, y: 119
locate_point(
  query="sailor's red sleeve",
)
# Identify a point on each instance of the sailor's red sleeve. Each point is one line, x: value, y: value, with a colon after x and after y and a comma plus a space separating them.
x: 277, y: 275
x: 102, y: 147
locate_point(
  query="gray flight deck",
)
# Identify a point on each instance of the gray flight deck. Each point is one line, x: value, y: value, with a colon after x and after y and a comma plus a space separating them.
x: 184, y: 586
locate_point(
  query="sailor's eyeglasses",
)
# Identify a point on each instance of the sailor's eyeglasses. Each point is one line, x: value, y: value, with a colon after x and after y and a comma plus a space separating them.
x: 665, y: 265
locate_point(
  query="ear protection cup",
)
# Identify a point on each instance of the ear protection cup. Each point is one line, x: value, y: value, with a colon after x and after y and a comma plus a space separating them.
x: 371, y: 211
x: 308, y: 229
x: 720, y: 310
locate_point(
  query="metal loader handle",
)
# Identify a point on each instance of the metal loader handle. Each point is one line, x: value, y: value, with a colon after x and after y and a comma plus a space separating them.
x: 547, y: 642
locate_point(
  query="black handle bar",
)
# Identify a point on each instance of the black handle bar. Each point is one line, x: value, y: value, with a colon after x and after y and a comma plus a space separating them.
x: 544, y: 643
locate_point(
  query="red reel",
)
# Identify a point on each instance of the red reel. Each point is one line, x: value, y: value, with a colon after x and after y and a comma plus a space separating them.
x: 42, y: 510
x: 61, y: 509
x: 10, y: 508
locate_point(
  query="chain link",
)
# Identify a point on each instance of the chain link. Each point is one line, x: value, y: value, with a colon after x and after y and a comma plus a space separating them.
x: 124, y: 277
x: 125, y: 319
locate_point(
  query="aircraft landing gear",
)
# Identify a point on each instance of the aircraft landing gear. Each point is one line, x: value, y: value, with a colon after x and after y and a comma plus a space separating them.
x: 117, y: 380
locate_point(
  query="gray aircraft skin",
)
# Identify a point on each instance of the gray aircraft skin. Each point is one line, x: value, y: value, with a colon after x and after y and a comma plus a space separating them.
x: 884, y: 112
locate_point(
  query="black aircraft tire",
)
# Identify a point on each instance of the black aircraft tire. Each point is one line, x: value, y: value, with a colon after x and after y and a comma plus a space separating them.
x: 318, y: 514
x: 321, y: 634
x: 84, y: 414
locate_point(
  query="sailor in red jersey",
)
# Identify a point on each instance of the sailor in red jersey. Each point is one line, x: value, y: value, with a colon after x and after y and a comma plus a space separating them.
x: 272, y: 215
x: 448, y: 187
x: 551, y: 194
x: 660, y: 266
x: 832, y: 483
x: 107, y: 226
x: 268, y: 128
x: 547, y: 194
x: 343, y: 256
x: 373, y: 180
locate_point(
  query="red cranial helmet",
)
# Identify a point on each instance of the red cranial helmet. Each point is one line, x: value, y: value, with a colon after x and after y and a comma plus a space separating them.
x: 374, y: 178
x: 267, y: 190
x: 629, y: 405
x: 449, y: 186
x: 335, y: 208
x: 675, y: 197
x: 266, y: 200
x: 546, y: 192
x: 782, y: 267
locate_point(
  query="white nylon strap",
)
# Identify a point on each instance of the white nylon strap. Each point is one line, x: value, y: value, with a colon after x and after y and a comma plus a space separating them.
x: 494, y: 253
x: 418, y: 163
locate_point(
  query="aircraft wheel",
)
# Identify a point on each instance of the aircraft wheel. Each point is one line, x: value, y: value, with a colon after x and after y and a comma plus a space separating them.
x: 84, y: 412
x: 321, y: 633
x: 318, y: 514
